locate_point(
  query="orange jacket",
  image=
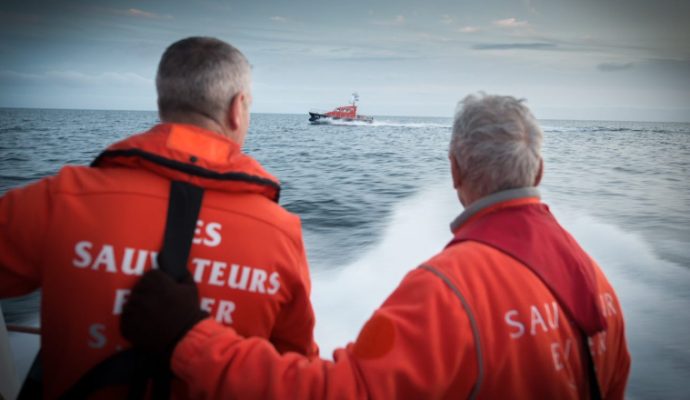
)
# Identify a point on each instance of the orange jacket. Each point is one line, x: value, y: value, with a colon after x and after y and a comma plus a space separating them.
x: 86, y: 234
x: 472, y: 322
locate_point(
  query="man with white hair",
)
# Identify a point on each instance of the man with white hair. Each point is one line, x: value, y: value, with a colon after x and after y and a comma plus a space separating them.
x: 511, y: 308
x: 181, y: 196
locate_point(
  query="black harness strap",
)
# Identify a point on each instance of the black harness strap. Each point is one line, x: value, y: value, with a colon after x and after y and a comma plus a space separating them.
x: 33, y: 383
x: 183, y: 212
x: 131, y: 367
x: 594, y: 389
x: 128, y: 367
x: 189, y: 169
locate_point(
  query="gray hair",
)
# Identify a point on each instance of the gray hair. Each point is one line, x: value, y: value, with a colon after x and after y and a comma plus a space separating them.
x: 201, y: 75
x: 496, y: 142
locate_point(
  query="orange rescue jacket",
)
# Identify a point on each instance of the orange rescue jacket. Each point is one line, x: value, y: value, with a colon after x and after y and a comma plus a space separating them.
x: 471, y: 322
x: 85, y: 235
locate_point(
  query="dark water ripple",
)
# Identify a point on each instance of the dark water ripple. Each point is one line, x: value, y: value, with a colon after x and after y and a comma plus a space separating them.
x: 630, y: 173
x: 36, y: 143
x: 345, y: 180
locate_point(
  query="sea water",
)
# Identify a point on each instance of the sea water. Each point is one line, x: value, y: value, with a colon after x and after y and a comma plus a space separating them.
x: 376, y: 201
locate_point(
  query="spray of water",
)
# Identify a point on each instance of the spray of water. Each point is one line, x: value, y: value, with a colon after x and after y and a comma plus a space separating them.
x: 344, y: 297
x: 653, y: 292
x: 380, y: 123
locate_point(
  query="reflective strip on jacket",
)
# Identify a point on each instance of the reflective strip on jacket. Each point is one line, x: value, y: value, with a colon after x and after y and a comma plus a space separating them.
x: 85, y: 235
x: 502, y: 334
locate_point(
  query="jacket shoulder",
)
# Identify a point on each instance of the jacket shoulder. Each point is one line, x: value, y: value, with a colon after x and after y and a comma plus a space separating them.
x: 83, y: 180
x: 86, y: 181
x: 463, y: 253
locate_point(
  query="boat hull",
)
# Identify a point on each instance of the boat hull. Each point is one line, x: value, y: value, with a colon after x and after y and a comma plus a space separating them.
x: 318, y: 119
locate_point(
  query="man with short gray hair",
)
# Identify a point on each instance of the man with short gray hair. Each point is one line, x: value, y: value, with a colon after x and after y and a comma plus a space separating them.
x: 180, y: 197
x: 198, y: 79
x: 497, y: 142
x: 511, y: 308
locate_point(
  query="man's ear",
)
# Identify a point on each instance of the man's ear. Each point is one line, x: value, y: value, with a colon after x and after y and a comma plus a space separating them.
x: 455, y: 171
x: 540, y: 173
x: 234, y: 114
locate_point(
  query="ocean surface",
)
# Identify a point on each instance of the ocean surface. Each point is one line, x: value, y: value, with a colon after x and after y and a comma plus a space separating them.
x: 376, y: 200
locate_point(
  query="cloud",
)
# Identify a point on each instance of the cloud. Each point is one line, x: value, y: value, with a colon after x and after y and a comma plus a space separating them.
x: 516, y: 46
x: 74, y: 78
x: 671, y: 64
x: 430, y: 37
x: 612, y: 66
x: 6, y: 49
x: 14, y: 76
x: 530, y: 7
x: 510, y: 23
x: 358, y: 53
x: 396, y: 21
x: 469, y: 29
x: 672, y: 70
x: 105, y: 78
x: 446, y: 19
x: 278, y: 18
x: 139, y: 13
x: 23, y: 18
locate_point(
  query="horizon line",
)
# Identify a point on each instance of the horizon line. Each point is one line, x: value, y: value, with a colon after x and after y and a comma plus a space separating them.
x: 375, y: 115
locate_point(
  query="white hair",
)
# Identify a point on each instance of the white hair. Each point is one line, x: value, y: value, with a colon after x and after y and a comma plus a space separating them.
x: 496, y: 142
x: 200, y: 75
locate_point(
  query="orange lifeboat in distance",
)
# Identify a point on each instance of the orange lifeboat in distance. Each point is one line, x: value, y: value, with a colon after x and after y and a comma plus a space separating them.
x: 344, y: 113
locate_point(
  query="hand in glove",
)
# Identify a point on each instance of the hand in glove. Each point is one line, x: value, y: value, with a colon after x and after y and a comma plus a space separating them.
x: 160, y: 312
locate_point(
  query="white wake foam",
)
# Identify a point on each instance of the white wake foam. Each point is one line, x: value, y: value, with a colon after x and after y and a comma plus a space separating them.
x: 410, y: 124
x: 380, y: 123
x: 655, y: 297
x: 344, y: 297
x: 653, y: 292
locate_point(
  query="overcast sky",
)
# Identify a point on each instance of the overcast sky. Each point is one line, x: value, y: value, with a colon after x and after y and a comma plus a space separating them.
x: 598, y: 59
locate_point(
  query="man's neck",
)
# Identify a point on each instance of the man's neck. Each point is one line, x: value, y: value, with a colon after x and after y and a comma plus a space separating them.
x: 199, y: 120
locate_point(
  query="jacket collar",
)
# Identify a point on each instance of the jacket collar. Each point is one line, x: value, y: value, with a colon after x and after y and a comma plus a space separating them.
x: 523, y: 228
x: 495, y: 201
x: 191, y: 154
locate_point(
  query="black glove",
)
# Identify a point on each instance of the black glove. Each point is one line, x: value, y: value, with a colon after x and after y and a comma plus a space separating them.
x: 160, y: 312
